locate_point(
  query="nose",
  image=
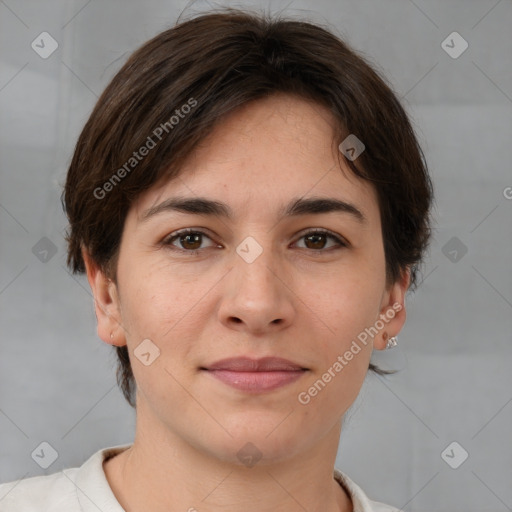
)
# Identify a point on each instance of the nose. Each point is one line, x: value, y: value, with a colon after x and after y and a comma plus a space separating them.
x: 256, y: 298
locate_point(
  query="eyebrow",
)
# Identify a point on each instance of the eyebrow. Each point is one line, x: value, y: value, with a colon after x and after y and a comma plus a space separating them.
x: 298, y: 206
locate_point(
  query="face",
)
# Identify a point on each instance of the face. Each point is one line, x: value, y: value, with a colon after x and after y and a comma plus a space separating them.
x: 262, y: 247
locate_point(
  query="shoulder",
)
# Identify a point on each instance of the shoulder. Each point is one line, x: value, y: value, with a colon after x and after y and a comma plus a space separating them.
x: 53, y: 493
x: 69, y: 490
x: 360, y: 500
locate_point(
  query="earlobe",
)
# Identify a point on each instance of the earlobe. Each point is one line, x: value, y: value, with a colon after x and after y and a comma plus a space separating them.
x: 106, y: 303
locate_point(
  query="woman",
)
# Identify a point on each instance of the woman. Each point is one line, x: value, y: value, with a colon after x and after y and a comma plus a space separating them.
x: 250, y: 205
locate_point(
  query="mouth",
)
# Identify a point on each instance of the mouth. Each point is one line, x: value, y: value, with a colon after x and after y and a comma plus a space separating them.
x: 255, y: 375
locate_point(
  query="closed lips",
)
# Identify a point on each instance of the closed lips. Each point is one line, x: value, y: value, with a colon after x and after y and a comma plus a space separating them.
x: 245, y: 364
x: 256, y: 376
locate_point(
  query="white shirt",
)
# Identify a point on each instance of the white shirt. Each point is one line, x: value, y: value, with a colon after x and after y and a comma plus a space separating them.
x: 86, y: 489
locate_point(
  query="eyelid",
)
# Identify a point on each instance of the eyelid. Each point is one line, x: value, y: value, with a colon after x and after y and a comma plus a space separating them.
x: 340, y: 240
x: 343, y: 242
x: 167, y: 240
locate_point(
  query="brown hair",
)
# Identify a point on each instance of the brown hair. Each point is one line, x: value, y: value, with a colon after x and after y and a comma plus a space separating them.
x: 215, y: 63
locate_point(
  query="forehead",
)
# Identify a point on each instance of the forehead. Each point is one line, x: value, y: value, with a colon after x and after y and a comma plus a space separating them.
x: 263, y: 154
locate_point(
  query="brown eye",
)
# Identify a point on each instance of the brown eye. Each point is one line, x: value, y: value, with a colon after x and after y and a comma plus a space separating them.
x: 189, y: 241
x: 318, y: 240
x: 315, y: 241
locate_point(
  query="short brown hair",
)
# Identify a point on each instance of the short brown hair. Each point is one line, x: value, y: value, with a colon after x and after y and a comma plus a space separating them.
x: 215, y: 63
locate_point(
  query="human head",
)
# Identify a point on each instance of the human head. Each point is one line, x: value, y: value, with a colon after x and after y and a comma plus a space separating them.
x: 176, y: 88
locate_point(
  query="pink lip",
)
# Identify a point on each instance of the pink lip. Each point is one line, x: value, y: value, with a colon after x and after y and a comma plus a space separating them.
x: 256, y: 375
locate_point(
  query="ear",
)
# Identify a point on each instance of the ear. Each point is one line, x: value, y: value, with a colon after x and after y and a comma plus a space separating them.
x: 392, y: 312
x: 106, y: 303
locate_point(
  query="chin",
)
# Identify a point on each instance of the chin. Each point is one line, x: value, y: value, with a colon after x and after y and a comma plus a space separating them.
x: 261, y: 442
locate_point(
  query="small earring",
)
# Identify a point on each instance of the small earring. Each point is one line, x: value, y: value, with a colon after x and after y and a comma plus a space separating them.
x: 391, y: 343
x: 111, y: 336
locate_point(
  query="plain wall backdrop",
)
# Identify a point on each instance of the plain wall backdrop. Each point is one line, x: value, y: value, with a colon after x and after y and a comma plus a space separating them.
x: 57, y: 379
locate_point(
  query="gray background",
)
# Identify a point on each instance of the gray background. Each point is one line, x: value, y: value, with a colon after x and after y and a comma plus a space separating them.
x: 57, y: 381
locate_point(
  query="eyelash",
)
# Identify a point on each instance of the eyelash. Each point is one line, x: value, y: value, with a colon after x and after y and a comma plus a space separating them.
x: 178, y: 234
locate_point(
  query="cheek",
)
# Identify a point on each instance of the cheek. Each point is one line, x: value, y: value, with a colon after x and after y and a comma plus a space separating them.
x: 346, y: 307
x: 154, y: 298
x: 170, y: 309
x: 346, y: 304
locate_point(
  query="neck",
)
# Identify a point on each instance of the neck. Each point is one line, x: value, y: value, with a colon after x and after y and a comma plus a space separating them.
x: 163, y: 472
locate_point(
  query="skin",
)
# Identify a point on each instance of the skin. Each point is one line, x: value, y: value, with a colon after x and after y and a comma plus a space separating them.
x: 301, y: 300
